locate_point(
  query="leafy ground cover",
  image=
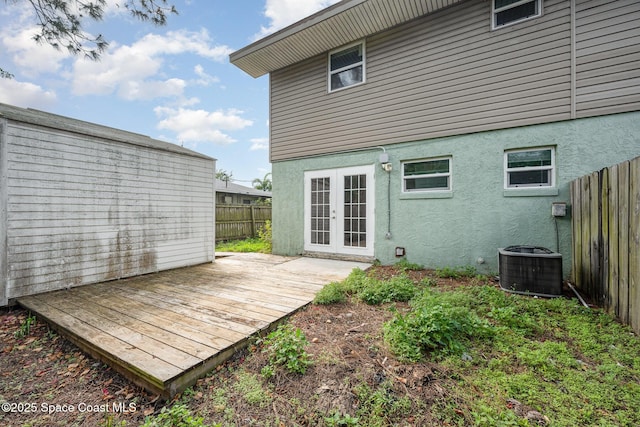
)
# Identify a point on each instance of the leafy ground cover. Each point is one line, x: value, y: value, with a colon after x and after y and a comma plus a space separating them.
x: 393, y: 346
x: 246, y: 245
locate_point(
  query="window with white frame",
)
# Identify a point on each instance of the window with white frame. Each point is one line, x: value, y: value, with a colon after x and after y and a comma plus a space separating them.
x: 529, y: 168
x: 507, y: 12
x: 427, y: 175
x: 346, y: 67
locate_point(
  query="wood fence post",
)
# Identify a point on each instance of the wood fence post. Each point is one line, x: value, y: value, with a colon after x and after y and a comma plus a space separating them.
x: 253, y: 222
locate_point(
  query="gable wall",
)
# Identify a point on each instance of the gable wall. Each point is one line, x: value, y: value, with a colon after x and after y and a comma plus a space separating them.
x: 448, y: 73
x: 82, y: 209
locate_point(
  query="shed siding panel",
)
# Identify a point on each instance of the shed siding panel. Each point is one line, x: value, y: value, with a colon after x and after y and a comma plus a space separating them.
x: 607, y: 57
x: 83, y: 209
x: 453, y: 74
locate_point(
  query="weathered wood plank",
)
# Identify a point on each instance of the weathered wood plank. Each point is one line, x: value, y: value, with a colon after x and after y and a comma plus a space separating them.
x: 603, y: 278
x: 586, y: 236
x: 634, y: 244
x: 165, y: 330
x: 237, y: 310
x: 576, y: 225
x: 623, y: 241
x: 219, y: 322
x: 135, y: 364
x: 137, y: 334
x: 166, y: 326
x: 594, y: 236
x: 613, y: 243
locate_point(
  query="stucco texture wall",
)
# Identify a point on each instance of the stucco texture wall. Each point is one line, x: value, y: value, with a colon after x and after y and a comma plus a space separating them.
x: 479, y: 215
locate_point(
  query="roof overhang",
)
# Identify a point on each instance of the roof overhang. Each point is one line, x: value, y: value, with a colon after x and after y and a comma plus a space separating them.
x: 337, y: 25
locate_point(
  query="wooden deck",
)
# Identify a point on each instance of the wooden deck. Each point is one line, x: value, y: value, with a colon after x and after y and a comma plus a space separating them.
x: 163, y: 331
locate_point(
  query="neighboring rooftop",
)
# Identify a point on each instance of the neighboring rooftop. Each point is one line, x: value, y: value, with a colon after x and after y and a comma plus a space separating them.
x: 231, y: 187
x: 335, y: 26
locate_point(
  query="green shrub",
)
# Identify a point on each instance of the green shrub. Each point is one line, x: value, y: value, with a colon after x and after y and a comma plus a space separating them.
x: 178, y: 416
x: 405, y: 265
x: 286, y: 347
x: 355, y: 281
x: 339, y: 420
x: 331, y: 294
x: 455, y: 273
x: 398, y: 288
x: 265, y: 236
x: 433, y: 325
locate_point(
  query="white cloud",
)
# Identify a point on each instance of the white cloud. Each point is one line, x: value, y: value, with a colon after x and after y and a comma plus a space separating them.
x: 259, y: 144
x: 136, y: 90
x: 16, y: 41
x: 204, y: 78
x: 24, y: 94
x: 201, y: 126
x: 285, y: 12
x: 130, y: 71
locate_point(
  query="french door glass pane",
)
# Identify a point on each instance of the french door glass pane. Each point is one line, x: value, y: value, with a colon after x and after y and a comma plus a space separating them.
x: 320, y: 211
x: 355, y: 208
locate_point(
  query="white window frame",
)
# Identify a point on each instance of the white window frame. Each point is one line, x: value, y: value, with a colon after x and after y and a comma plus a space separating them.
x: 449, y: 176
x: 339, y: 70
x: 551, y: 167
x: 494, y: 13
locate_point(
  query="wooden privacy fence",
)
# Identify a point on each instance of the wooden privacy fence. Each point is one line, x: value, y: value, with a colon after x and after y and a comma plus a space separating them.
x: 606, y: 239
x: 240, y: 221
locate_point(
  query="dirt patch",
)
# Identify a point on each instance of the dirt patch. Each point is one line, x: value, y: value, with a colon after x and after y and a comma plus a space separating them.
x: 47, y: 381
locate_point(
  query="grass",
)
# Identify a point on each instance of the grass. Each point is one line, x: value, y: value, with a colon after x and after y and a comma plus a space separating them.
x: 261, y: 244
x: 498, y: 359
x: 554, y: 357
x: 246, y: 245
x: 574, y: 365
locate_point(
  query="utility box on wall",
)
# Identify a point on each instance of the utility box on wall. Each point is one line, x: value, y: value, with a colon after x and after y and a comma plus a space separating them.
x: 83, y: 203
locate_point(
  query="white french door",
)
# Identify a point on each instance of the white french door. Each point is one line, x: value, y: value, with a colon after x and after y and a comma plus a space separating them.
x: 338, y: 211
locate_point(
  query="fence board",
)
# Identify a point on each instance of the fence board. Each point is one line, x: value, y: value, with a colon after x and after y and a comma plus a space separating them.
x: 594, y: 236
x: 634, y: 243
x: 576, y: 197
x: 586, y: 238
x: 606, y: 238
x: 613, y: 278
x: 623, y: 241
x: 240, y: 221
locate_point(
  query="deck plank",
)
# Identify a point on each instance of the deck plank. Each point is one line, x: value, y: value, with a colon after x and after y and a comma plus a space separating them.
x: 165, y: 330
x: 137, y: 334
x: 165, y: 327
x: 97, y: 343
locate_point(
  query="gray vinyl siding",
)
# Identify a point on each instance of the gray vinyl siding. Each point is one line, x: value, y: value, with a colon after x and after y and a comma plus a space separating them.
x: 607, y: 57
x: 82, y: 209
x: 448, y: 73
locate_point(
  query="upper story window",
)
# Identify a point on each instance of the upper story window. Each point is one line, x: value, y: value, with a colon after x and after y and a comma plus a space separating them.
x: 427, y: 175
x: 506, y: 12
x: 346, y: 67
x: 529, y: 168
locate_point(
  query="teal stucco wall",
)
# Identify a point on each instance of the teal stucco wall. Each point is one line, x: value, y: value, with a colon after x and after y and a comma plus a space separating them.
x: 478, y: 216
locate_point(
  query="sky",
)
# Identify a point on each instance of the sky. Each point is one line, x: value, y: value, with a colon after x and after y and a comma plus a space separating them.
x: 174, y: 83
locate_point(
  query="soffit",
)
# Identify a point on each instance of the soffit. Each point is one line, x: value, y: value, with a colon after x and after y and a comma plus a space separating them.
x: 340, y: 24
